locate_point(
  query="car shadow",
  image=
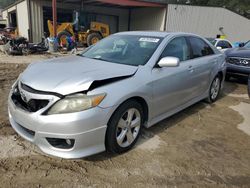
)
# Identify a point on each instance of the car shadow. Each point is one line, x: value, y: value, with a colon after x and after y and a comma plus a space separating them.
x: 229, y: 87
x: 239, y: 79
x: 174, y: 120
x: 158, y: 128
x: 234, y: 86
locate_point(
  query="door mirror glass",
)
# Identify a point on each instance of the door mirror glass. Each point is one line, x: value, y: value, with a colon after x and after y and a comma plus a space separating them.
x: 219, y: 48
x: 169, y: 62
x: 241, y: 45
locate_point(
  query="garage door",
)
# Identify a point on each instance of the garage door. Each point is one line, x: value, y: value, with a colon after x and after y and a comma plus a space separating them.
x: 112, y: 21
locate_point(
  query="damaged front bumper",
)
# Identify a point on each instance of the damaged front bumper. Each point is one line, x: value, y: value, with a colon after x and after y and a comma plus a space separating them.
x: 72, y: 135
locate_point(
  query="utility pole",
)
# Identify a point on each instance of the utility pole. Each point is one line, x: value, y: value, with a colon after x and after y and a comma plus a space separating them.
x: 54, y: 9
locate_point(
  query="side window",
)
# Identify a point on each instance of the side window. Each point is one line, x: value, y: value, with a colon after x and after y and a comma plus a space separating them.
x: 199, y: 47
x: 224, y: 44
x: 221, y: 44
x: 178, y: 47
x: 228, y: 45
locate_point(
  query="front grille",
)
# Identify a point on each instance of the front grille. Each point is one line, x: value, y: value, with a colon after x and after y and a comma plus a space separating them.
x: 32, y: 105
x: 239, y: 61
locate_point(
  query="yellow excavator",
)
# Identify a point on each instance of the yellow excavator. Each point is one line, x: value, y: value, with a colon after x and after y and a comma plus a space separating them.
x: 88, y: 37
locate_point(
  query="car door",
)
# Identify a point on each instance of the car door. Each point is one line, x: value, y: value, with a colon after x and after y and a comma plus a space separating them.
x: 173, y: 86
x: 204, y: 59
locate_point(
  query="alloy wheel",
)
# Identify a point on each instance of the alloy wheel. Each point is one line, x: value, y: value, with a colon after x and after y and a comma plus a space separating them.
x: 215, y: 89
x: 128, y: 127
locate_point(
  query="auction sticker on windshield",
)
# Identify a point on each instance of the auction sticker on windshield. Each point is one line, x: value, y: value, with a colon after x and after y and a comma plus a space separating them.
x: 155, y: 40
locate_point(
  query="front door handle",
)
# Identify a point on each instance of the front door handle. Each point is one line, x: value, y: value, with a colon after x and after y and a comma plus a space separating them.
x: 190, y: 69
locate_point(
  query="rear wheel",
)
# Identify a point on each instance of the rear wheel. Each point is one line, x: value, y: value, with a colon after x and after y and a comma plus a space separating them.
x: 124, y: 127
x: 93, y: 38
x: 214, y: 90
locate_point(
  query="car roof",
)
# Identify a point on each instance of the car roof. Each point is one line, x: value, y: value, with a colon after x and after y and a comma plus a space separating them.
x: 217, y: 39
x: 162, y: 34
x: 148, y: 33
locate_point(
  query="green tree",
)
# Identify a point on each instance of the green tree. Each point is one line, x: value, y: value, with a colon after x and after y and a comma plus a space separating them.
x: 240, y: 6
x: 4, y: 3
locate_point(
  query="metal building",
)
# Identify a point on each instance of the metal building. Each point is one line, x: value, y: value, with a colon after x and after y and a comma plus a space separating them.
x: 30, y: 16
x: 1, y: 14
x: 208, y: 22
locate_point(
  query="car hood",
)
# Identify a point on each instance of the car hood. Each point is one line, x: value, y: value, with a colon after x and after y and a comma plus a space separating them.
x: 239, y: 52
x: 71, y: 74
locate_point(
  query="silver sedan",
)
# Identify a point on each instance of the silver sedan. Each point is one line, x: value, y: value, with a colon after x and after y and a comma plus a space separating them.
x: 99, y: 100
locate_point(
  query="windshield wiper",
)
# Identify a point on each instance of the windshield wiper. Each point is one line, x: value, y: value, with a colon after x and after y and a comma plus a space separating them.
x: 99, y: 58
x: 81, y: 55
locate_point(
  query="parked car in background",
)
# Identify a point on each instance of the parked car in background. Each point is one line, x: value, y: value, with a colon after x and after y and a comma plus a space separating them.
x: 101, y: 99
x: 221, y: 44
x: 238, y: 44
x: 238, y: 61
x: 242, y: 44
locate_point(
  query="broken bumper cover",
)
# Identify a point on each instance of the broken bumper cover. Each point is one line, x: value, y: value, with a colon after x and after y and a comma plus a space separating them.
x: 86, y: 129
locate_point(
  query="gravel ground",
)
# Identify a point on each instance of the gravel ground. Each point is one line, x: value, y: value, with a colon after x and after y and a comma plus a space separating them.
x: 202, y: 146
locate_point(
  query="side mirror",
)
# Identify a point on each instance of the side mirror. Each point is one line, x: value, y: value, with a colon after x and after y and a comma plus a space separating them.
x: 219, y: 48
x: 169, y: 62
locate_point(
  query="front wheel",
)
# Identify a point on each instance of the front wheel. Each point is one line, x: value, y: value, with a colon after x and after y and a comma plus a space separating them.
x: 124, y: 127
x: 214, y: 90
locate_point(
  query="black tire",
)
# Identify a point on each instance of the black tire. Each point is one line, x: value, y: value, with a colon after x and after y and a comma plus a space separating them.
x: 26, y: 51
x: 111, y: 134
x: 61, y: 34
x: 93, y: 36
x: 210, y: 98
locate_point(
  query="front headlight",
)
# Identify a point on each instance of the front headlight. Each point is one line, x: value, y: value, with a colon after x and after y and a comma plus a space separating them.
x: 76, y: 103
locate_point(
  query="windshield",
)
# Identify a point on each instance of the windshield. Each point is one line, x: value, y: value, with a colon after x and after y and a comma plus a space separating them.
x: 124, y: 49
x: 247, y: 45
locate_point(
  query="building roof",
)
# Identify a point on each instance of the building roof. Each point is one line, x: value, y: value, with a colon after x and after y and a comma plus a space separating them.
x: 121, y: 3
x: 132, y: 3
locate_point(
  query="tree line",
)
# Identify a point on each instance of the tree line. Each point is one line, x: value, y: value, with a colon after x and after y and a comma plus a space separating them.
x: 4, y: 3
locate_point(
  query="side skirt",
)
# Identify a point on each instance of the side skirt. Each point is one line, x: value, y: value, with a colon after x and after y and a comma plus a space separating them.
x: 176, y: 110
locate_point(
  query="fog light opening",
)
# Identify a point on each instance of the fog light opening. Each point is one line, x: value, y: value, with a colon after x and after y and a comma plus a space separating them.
x: 61, y: 143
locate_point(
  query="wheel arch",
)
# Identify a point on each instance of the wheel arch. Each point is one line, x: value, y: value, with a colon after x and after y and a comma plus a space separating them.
x: 221, y: 75
x: 144, y: 105
x: 141, y: 101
